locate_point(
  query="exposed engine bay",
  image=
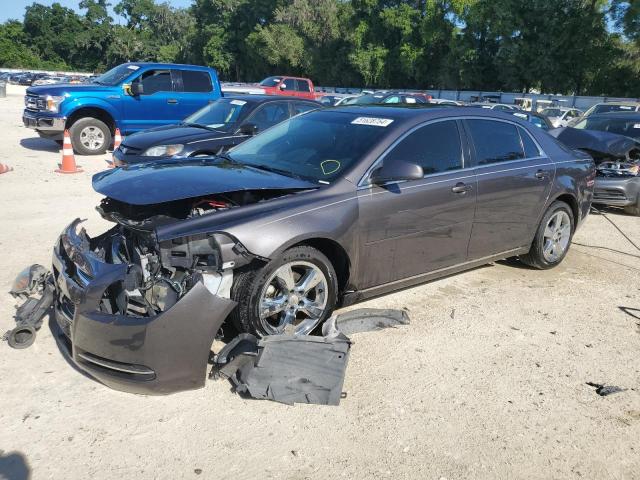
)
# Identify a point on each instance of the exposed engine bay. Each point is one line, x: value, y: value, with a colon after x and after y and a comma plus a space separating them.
x: 160, y: 273
x: 618, y: 168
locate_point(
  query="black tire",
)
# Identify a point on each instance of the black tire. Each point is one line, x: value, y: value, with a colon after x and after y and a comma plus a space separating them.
x: 536, y: 257
x: 248, y: 284
x: 633, y: 209
x: 99, y: 128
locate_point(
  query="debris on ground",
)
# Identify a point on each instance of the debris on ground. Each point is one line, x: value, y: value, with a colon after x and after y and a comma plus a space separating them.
x: 604, y: 390
x: 370, y: 320
x: 299, y: 368
x: 34, y: 286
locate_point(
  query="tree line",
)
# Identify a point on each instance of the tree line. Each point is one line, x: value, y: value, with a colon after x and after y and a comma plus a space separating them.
x: 582, y: 47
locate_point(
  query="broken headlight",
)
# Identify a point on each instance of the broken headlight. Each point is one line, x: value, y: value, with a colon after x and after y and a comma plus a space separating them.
x: 76, y: 257
x: 163, y: 150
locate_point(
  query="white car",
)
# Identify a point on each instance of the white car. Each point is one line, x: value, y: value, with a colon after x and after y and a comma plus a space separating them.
x: 444, y: 101
x: 561, y: 116
x: 50, y: 81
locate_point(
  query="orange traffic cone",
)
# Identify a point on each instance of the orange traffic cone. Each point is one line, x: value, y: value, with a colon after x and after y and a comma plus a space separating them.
x: 5, y: 168
x: 68, y: 160
x: 117, y: 139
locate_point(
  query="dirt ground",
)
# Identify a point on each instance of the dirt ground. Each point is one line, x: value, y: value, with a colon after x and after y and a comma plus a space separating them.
x: 488, y: 381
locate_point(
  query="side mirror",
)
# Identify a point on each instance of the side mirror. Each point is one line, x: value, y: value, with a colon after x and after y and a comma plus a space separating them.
x: 137, y: 89
x: 249, y: 129
x: 282, y: 86
x: 397, y: 171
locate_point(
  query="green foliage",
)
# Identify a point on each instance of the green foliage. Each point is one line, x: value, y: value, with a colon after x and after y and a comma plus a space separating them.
x: 559, y: 46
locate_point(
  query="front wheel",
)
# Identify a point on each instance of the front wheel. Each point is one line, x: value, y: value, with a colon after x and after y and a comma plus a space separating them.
x: 294, y: 293
x: 90, y: 136
x: 553, y: 237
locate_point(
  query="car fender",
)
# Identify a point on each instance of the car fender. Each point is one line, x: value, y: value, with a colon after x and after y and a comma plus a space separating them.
x: 91, y: 102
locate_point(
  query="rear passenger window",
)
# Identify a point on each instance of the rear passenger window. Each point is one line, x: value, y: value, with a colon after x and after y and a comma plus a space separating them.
x: 495, y: 141
x: 196, y: 81
x: 303, y: 86
x: 531, y: 150
x: 435, y: 147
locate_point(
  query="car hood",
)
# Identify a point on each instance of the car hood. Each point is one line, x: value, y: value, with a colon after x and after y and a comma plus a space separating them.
x: 596, y: 142
x: 72, y: 88
x: 169, y: 180
x: 170, y: 134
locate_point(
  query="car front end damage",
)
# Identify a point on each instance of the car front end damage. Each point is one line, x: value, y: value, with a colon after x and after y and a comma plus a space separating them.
x: 138, y: 315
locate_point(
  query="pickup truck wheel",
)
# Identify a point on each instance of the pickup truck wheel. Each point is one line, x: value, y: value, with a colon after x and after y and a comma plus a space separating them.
x: 552, y: 239
x: 294, y: 293
x: 90, y: 136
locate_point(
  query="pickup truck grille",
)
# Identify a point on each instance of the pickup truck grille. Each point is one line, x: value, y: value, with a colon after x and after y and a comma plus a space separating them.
x: 34, y: 102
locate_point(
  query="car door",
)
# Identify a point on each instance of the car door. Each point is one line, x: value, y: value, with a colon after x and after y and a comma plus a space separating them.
x: 288, y: 87
x: 194, y: 90
x: 155, y: 106
x: 514, y: 181
x: 413, y: 227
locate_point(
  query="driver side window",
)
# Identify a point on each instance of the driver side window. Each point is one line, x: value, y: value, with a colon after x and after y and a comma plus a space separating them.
x: 156, y: 81
x: 435, y: 147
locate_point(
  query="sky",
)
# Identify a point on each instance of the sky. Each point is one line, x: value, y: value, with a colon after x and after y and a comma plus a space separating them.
x: 15, y: 8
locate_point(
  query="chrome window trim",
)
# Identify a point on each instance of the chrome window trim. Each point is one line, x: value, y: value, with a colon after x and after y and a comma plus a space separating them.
x: 363, y: 183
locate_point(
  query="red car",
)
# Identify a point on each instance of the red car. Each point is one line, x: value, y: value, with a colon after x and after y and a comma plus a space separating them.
x: 277, y: 85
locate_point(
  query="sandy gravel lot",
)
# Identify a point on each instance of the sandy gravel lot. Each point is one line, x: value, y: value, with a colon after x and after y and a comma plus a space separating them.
x: 488, y: 382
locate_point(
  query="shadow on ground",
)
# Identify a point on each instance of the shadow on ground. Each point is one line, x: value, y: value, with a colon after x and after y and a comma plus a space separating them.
x: 14, y: 466
x: 40, y: 144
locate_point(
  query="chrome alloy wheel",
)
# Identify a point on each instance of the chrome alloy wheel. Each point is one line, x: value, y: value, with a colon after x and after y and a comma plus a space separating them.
x: 92, y: 137
x: 557, y: 234
x: 294, y: 295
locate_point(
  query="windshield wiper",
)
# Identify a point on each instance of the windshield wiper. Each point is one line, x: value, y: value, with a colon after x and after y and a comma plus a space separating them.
x: 280, y: 171
x: 200, y: 125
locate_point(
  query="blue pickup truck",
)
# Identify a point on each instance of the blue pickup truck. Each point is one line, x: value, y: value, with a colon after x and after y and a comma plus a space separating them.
x: 131, y: 97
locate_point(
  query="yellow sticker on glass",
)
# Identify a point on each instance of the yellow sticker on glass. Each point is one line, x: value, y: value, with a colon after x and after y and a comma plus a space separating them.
x: 329, y: 166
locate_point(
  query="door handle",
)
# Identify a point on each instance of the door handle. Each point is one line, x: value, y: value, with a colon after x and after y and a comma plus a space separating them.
x: 172, y: 100
x: 541, y: 174
x: 461, y: 188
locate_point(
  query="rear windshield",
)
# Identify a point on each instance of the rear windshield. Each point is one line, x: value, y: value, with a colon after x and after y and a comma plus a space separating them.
x: 221, y: 113
x: 613, y: 107
x: 364, y: 100
x: 318, y: 146
x: 551, y: 112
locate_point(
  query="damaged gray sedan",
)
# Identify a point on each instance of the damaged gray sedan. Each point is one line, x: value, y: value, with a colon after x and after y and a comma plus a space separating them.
x: 326, y: 209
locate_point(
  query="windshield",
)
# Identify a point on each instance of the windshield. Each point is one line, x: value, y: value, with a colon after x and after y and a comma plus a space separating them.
x: 364, y: 100
x: 270, y: 82
x: 318, y: 146
x: 551, y: 112
x: 116, y: 75
x: 621, y: 126
x: 221, y: 113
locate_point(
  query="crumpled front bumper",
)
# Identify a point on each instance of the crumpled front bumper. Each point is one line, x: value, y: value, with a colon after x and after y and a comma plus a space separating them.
x: 149, y: 355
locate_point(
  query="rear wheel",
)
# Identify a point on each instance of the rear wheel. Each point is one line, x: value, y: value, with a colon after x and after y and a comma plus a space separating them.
x: 90, y: 136
x: 553, y: 237
x: 293, y: 293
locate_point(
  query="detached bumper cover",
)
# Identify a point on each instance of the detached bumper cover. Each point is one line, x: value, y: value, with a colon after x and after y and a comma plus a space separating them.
x: 617, y: 191
x: 149, y: 355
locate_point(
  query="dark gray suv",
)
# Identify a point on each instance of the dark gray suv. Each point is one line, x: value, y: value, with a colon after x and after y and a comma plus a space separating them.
x: 326, y: 209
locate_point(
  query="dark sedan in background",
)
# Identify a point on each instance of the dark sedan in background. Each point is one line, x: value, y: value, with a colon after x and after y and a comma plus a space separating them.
x: 213, y: 129
x: 325, y: 209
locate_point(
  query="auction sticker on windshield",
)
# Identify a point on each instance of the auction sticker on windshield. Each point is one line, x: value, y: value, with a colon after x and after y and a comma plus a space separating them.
x: 237, y: 102
x: 373, y: 121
